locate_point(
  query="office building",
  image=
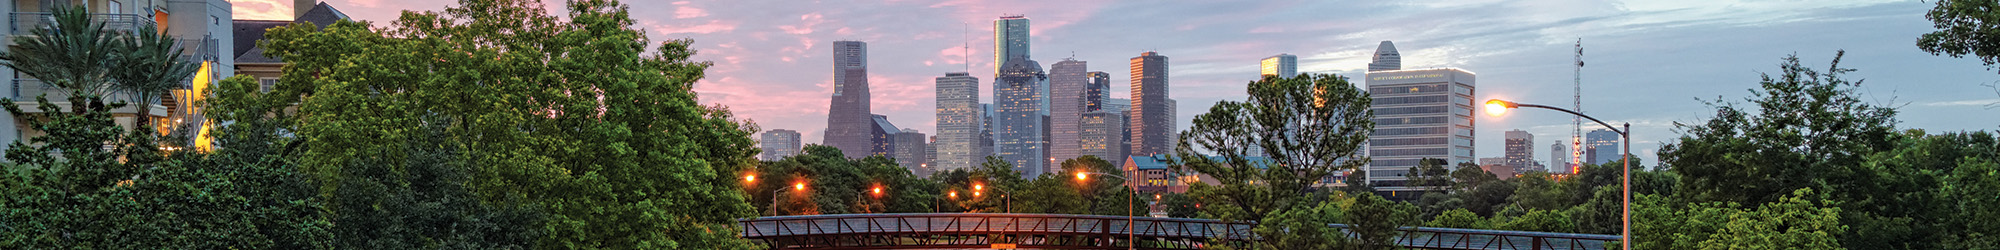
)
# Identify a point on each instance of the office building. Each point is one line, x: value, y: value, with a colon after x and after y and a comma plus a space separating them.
x: 1602, y: 146
x: 882, y: 139
x: 1069, y: 85
x: 1559, y: 161
x: 985, y: 134
x: 779, y: 143
x: 1520, y: 149
x: 959, y: 122
x: 1152, y: 117
x: 1102, y: 135
x: 912, y: 149
x: 1123, y: 107
x: 1419, y: 114
x: 1018, y: 133
x: 1281, y: 65
x: 1010, y: 40
x: 848, y: 123
x: 1386, y: 58
x: 1096, y: 90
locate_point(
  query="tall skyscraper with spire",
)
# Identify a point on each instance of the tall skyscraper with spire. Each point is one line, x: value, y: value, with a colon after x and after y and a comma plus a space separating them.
x: 1018, y: 120
x: 958, y: 122
x: 1281, y: 65
x: 1386, y: 58
x: 1069, y: 84
x: 1152, y: 115
x: 1010, y: 39
x: 849, y: 124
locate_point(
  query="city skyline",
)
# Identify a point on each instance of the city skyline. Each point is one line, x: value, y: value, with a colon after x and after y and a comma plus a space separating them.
x: 1523, y: 56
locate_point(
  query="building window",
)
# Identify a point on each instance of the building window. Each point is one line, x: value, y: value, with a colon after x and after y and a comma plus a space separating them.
x: 267, y: 83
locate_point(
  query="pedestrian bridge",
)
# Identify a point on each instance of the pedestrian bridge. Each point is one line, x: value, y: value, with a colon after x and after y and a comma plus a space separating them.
x: 1070, y: 231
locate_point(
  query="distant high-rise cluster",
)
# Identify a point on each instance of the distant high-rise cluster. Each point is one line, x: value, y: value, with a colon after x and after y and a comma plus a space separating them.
x: 1037, y: 118
x: 779, y: 143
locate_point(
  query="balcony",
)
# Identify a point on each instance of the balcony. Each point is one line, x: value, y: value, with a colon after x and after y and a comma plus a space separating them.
x: 25, y: 90
x: 26, y: 22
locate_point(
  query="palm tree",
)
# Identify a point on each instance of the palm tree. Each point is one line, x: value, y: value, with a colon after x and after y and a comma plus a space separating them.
x: 150, y: 64
x: 75, y: 53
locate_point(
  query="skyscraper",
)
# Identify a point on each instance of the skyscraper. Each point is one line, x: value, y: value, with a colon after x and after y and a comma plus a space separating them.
x: 1010, y: 39
x: 1124, y: 109
x: 1103, y: 136
x: 911, y: 149
x: 882, y: 139
x: 1418, y: 114
x: 1095, y: 91
x: 1386, y: 58
x: 848, y: 123
x: 1281, y: 65
x: 1559, y: 157
x: 1602, y: 145
x: 779, y: 143
x: 1018, y: 135
x: 1068, y: 86
x: 985, y: 134
x: 958, y: 122
x: 1152, y: 117
x: 1520, y: 149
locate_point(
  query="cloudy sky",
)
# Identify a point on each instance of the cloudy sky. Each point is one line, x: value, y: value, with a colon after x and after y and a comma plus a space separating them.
x: 1650, y: 63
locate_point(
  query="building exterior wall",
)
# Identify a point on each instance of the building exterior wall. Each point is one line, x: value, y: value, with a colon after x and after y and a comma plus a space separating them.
x: 1152, y: 119
x: 848, y: 124
x: 1103, y: 136
x: 1010, y: 39
x: 1520, y: 146
x: 1068, y: 86
x: 1602, y: 145
x: 779, y: 143
x: 1418, y: 114
x: 881, y: 137
x: 1386, y: 58
x: 912, y: 148
x: 1281, y: 65
x: 958, y: 122
x: 1018, y: 133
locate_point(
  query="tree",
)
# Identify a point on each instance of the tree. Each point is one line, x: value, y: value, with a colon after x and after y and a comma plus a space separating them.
x: 151, y: 64
x: 1458, y: 218
x: 1376, y: 222
x: 1809, y: 126
x: 569, y: 114
x: 1310, y: 126
x: 75, y: 53
x: 424, y: 203
x: 1965, y: 27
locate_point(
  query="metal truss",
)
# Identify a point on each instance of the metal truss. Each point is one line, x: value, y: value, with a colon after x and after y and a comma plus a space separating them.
x: 1067, y: 231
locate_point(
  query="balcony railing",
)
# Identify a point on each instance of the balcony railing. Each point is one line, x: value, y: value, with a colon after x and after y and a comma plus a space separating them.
x: 25, y: 90
x: 24, y: 22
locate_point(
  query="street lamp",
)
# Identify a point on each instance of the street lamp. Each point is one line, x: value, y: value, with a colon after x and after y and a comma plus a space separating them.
x: 796, y: 186
x: 1131, y: 241
x: 1497, y: 107
x: 1008, y: 197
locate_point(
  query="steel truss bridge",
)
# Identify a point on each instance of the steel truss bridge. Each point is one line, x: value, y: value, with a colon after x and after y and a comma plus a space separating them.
x: 1069, y: 231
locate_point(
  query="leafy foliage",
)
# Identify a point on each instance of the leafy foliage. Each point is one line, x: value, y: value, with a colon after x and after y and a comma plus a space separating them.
x: 1965, y: 27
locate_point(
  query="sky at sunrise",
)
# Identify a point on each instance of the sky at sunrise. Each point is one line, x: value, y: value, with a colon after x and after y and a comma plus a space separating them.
x: 1650, y: 63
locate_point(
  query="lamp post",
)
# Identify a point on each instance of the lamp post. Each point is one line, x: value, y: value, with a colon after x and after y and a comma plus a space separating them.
x: 1497, y: 107
x: 1131, y: 240
x: 1008, y: 197
x: 800, y: 186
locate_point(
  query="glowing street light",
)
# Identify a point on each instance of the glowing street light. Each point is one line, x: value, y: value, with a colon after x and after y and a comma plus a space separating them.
x: 750, y: 178
x: 799, y: 186
x: 1497, y: 107
x: 1130, y: 237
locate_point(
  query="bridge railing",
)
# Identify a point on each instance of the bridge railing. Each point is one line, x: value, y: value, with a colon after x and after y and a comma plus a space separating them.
x: 1461, y: 238
x: 868, y: 231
